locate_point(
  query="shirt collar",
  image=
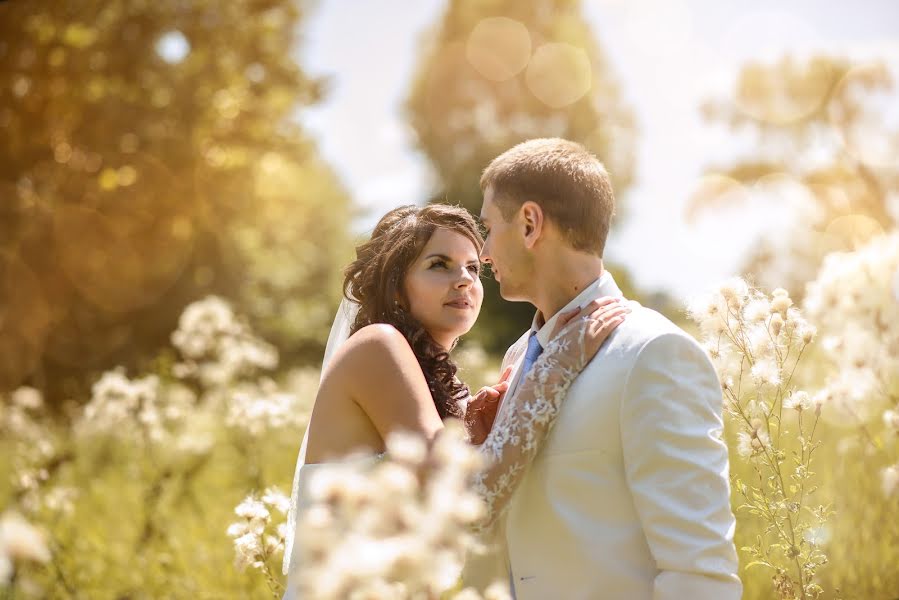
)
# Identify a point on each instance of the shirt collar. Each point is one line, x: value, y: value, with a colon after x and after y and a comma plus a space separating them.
x: 604, y: 285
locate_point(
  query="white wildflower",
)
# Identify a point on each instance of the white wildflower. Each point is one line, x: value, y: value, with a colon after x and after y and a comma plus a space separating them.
x: 275, y: 498
x: 806, y: 333
x: 257, y: 408
x: 710, y: 312
x: 21, y: 541
x: 858, y: 315
x: 761, y: 345
x: 781, y: 301
x: 744, y: 444
x: 61, y: 499
x: 27, y: 398
x: 889, y: 478
x: 757, y: 310
x: 252, y: 509
x: 891, y: 420
x: 394, y: 527
x: 798, y: 401
x: 766, y: 371
x: 776, y: 324
x: 122, y: 407
x: 498, y: 590
x: 216, y: 346
x: 248, y: 551
x: 735, y: 292
x: 407, y: 447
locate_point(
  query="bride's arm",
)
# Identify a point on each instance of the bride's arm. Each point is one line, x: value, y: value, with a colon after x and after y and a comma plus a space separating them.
x: 527, y: 417
x: 386, y: 381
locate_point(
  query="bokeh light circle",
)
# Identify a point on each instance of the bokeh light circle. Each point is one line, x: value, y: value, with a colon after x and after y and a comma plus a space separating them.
x: 498, y: 48
x: 856, y: 229
x: 559, y: 74
x: 784, y: 92
x: 864, y: 112
x: 715, y: 190
x: 172, y: 47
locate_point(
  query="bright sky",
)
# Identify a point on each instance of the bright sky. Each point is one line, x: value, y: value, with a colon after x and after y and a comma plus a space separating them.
x: 668, y: 55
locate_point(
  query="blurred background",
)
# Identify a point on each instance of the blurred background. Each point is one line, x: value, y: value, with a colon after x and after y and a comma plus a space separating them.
x: 153, y: 154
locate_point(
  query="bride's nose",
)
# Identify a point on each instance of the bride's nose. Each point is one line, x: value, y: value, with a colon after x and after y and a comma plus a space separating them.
x: 465, y: 278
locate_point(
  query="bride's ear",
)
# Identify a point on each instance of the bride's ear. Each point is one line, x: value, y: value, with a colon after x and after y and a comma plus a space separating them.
x: 532, y: 222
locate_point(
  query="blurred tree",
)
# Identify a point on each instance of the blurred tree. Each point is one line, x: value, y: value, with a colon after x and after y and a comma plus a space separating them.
x: 824, y: 144
x: 496, y: 73
x: 148, y: 156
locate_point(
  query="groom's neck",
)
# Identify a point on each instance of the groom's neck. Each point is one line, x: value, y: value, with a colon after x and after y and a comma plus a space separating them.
x: 562, y: 277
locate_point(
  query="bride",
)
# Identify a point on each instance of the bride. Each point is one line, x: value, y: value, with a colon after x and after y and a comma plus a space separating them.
x: 412, y: 291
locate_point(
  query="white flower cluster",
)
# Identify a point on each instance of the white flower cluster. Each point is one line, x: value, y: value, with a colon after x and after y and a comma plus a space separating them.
x: 216, y: 346
x: 255, y: 541
x: 855, y: 299
x: 748, y: 332
x: 19, y: 542
x: 397, y: 529
x: 260, y: 407
x: 17, y: 414
x: 127, y: 407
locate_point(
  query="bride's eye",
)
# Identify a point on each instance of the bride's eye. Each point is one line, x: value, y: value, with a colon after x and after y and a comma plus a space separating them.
x: 438, y: 263
x: 474, y: 268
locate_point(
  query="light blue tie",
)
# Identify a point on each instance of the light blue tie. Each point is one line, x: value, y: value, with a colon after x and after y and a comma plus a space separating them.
x: 531, y: 354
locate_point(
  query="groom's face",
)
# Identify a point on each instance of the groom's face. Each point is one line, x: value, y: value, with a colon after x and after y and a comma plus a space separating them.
x: 504, y: 250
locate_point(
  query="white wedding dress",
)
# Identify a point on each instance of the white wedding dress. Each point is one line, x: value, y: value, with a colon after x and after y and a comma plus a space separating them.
x: 523, y: 422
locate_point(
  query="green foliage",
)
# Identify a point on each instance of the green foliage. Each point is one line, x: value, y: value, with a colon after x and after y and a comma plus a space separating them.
x: 148, y: 155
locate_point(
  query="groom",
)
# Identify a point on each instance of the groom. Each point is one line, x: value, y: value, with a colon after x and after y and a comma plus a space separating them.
x: 629, y: 497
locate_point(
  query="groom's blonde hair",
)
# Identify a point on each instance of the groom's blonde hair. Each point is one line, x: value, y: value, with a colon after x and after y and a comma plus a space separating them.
x: 569, y: 183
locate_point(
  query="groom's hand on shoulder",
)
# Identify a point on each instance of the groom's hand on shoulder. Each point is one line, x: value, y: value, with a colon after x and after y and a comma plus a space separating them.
x: 481, y: 410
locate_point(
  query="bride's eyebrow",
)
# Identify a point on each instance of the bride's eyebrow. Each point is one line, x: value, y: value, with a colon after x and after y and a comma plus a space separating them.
x: 448, y: 259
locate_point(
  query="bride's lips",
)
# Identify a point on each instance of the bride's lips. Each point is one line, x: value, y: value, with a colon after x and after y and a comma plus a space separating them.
x: 460, y: 303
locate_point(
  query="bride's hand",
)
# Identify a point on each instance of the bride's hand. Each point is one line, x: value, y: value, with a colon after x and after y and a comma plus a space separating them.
x: 600, y: 317
x: 481, y: 410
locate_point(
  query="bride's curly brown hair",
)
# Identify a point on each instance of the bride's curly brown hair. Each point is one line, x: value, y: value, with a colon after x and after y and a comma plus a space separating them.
x: 375, y: 281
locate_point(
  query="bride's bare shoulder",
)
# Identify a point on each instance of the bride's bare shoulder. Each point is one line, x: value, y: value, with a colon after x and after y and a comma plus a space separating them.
x: 376, y: 346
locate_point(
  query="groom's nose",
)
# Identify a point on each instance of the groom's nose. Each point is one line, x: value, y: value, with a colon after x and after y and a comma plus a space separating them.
x: 484, y: 255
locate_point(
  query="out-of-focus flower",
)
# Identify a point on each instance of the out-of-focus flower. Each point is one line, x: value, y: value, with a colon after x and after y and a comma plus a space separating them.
x: 858, y: 316
x: 248, y: 549
x: 139, y: 409
x: 216, y: 346
x: 766, y: 371
x: 399, y: 525
x: 27, y: 398
x: 256, y: 539
x: 19, y: 542
x: 258, y: 408
x: 61, y: 499
x: 889, y: 479
x: 798, y: 401
x: 891, y: 420
x: 275, y: 498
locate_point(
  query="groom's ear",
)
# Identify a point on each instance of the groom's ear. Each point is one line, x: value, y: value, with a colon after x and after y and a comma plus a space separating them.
x: 532, y: 222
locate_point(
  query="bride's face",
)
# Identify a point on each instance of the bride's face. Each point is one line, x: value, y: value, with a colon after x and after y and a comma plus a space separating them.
x: 443, y: 286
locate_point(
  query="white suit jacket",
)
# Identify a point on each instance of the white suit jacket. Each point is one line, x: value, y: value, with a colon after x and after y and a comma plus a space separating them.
x: 629, y: 497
